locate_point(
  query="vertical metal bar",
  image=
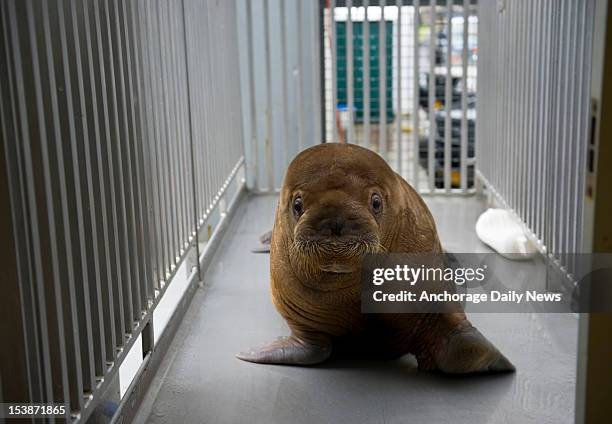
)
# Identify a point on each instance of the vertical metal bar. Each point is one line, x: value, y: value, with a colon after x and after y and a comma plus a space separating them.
x: 188, y: 177
x: 516, y: 58
x: 99, y: 192
x: 571, y: 195
x: 398, y: 88
x: 254, y: 143
x: 156, y: 120
x: 431, y: 171
x: 94, y: 245
x: 174, y: 134
x: 114, y: 277
x: 334, y: 69
x: 143, y: 181
x: 448, y: 97
x: 77, y: 335
x: 553, y: 125
x: 567, y: 58
x: 299, y: 79
x: 15, y: 13
x: 214, y: 70
x: 546, y: 124
x: 349, y: 72
x: 518, y: 175
x: 545, y: 77
x: 124, y: 159
x: 268, y: 113
x: 167, y: 202
x: 168, y: 79
x: 176, y: 141
x: 23, y: 359
x: 513, y: 140
x: 464, y: 93
x: 585, y: 114
x: 78, y: 130
x: 366, y: 76
x: 539, y: 119
x: 136, y: 258
x: 215, y: 164
x: 159, y: 175
x: 205, y: 59
x: 416, y: 94
x: 194, y: 191
x: 575, y: 189
x: 531, y: 110
x: 58, y: 129
x: 209, y: 112
x: 35, y: 351
x: 524, y: 80
x: 183, y: 141
x: 318, y: 53
x: 284, y: 71
x: 219, y: 68
x: 382, y: 78
x: 34, y: 107
x: 117, y: 136
x: 186, y: 130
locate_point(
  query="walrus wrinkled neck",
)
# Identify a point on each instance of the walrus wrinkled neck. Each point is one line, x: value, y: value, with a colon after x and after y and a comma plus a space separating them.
x: 337, y: 267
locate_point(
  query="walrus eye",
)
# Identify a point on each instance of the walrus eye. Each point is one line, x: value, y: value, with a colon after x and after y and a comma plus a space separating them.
x: 376, y: 202
x: 298, y: 207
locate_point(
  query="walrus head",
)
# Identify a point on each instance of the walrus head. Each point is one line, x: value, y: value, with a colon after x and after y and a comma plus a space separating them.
x: 336, y: 205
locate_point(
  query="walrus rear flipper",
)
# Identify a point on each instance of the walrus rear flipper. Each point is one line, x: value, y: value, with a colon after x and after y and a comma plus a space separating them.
x: 288, y: 351
x: 468, y: 351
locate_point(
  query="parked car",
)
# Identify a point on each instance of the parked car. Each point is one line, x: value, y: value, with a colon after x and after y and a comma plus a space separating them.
x: 455, y: 157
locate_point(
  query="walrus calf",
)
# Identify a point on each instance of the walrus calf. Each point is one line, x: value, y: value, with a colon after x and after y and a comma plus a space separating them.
x: 339, y: 202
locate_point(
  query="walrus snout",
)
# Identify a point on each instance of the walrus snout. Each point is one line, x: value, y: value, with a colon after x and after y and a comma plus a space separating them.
x: 336, y: 233
x: 341, y: 220
x: 338, y: 224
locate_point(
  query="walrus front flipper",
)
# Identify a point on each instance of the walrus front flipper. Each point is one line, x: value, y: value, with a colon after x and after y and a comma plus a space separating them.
x: 287, y: 350
x: 468, y: 351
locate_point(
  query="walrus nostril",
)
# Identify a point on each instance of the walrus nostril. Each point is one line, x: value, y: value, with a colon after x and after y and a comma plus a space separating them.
x: 331, y: 226
x: 337, y: 226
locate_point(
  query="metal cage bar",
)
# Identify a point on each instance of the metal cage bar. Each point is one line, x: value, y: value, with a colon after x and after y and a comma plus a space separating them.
x: 120, y: 124
x: 408, y: 97
x: 538, y: 170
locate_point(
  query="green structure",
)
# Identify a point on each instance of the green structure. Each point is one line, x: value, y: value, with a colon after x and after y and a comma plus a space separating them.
x: 358, y: 62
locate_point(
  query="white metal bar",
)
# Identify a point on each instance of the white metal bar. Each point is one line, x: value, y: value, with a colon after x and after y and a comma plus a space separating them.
x: 398, y: 88
x: 284, y: 70
x: 382, y: 77
x: 416, y: 93
x: 464, y: 92
x: 432, y: 99
x: 448, y: 97
x: 366, y: 76
x: 299, y: 79
x: 349, y: 73
x: 268, y: 113
x: 334, y: 70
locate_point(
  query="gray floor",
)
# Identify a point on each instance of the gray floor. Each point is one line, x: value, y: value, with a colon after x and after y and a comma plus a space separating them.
x: 201, y: 381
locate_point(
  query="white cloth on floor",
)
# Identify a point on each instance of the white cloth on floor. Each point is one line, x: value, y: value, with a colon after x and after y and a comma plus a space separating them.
x: 498, y: 229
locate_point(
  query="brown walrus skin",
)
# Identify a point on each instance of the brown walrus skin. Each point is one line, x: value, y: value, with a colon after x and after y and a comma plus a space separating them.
x: 339, y: 202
